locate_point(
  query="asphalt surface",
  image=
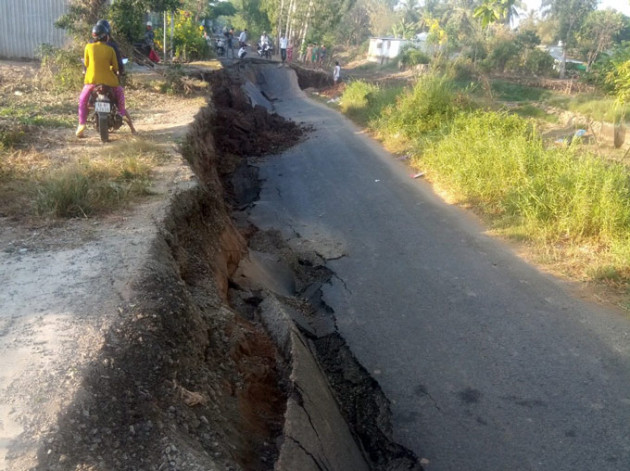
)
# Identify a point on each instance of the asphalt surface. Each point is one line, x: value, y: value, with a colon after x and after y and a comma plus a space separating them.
x: 489, y: 363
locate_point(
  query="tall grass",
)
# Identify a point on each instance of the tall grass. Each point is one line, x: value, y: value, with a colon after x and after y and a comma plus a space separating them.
x: 600, y: 108
x: 364, y: 102
x: 89, y: 187
x: 510, y: 91
x: 429, y: 106
x: 498, y: 162
x: 573, y: 206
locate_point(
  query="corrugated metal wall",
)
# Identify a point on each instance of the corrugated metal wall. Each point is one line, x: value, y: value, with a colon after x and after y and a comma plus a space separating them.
x: 25, y: 24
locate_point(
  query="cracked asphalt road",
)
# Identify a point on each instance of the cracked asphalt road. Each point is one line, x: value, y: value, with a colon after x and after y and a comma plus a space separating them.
x: 489, y: 364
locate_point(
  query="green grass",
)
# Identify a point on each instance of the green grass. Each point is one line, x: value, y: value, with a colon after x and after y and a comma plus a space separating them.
x: 531, y: 111
x: 364, y: 102
x: 509, y: 91
x: 597, y: 107
x: 572, y: 206
x: 30, y: 113
x: 427, y: 108
x: 498, y: 163
x: 89, y: 187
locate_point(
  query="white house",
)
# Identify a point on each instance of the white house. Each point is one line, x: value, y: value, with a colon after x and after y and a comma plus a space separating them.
x: 385, y: 49
x: 382, y: 50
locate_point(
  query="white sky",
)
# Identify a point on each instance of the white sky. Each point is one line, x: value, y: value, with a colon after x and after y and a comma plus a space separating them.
x: 621, y: 5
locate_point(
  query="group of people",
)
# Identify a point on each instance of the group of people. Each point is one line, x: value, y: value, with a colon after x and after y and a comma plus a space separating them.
x: 315, y: 54
x: 264, y: 43
x: 104, y: 65
x: 229, y: 42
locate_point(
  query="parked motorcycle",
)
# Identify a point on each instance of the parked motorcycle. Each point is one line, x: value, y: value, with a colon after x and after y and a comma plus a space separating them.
x: 265, y: 50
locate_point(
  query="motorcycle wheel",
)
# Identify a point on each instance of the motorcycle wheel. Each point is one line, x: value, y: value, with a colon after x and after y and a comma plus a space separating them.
x: 103, y: 127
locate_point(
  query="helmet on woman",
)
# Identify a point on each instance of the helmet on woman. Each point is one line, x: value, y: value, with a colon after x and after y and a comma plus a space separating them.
x: 99, y: 32
x: 105, y: 24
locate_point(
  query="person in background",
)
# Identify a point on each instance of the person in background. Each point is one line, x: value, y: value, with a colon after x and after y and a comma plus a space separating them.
x: 284, y: 42
x: 242, y: 38
x: 336, y: 72
x: 101, y: 66
x: 264, y: 39
x: 230, y: 43
x: 309, y: 54
x: 322, y: 55
x: 242, y: 52
x: 315, y: 58
x: 149, y: 35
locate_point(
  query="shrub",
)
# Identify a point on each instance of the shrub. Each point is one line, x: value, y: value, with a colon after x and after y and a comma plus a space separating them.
x: 10, y: 135
x: 538, y: 62
x: 504, y: 53
x: 411, y: 56
x: 496, y: 161
x: 428, y: 107
x: 90, y: 187
x: 61, y: 69
x: 464, y: 70
x: 188, y: 41
x: 365, y: 102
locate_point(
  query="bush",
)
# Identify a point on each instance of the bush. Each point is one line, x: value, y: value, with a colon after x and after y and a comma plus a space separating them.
x: 61, y: 69
x: 411, y: 56
x: 538, y: 62
x: 90, y: 187
x: 496, y: 161
x: 504, y: 54
x: 188, y: 40
x: 464, y: 70
x: 364, y: 102
x: 11, y: 134
x: 126, y: 19
x: 428, y: 107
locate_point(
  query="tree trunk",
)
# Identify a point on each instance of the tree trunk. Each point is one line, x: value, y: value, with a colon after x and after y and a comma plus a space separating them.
x: 306, y: 24
x: 280, y: 24
x: 288, y: 32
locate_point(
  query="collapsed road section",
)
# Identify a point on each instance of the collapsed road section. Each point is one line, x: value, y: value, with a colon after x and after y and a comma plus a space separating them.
x: 227, y: 358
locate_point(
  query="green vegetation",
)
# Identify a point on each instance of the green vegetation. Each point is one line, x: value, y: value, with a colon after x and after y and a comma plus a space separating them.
x: 497, y: 162
x: 90, y: 186
x: 28, y: 113
x: 510, y: 91
x: 364, y: 102
x: 531, y: 111
x: 595, y: 106
x: 410, y: 57
x: 10, y: 136
x: 61, y: 69
x: 558, y: 199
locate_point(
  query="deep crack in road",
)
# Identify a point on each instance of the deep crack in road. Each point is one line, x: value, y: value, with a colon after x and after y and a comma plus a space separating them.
x: 489, y: 363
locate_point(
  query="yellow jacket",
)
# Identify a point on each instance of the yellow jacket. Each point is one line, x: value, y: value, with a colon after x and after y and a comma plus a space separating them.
x: 101, y: 64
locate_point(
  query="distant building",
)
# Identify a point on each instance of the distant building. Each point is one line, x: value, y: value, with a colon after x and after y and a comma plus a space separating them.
x: 384, y: 49
x: 26, y: 24
x: 556, y: 53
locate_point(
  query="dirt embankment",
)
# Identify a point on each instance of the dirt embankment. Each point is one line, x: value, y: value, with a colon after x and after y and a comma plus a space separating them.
x: 187, y: 377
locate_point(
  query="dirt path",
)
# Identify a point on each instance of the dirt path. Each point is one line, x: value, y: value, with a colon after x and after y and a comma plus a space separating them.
x: 63, y: 284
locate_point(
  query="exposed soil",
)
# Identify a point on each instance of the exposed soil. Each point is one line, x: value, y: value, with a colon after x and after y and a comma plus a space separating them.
x: 125, y: 341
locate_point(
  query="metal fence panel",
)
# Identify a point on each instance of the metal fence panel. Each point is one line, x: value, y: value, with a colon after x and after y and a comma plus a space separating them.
x: 26, y: 24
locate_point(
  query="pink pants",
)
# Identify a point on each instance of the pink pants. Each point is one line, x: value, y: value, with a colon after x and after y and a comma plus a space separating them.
x: 85, y: 96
